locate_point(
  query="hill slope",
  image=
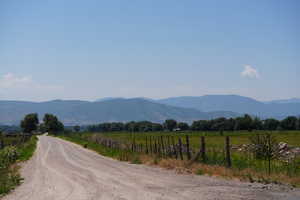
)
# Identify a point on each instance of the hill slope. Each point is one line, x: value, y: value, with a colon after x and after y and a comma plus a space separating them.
x: 235, y: 103
x: 85, y: 112
x: 282, y: 101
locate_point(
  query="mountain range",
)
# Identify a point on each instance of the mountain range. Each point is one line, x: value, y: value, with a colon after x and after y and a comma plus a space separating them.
x: 239, y: 104
x: 292, y: 100
x: 187, y: 109
x: 110, y: 110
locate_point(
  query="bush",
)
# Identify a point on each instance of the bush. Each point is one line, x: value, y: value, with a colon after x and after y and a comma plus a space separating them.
x: 136, y: 160
x: 9, y: 176
x: 263, y: 146
x: 200, y: 172
x: 8, y: 156
x: 9, y: 170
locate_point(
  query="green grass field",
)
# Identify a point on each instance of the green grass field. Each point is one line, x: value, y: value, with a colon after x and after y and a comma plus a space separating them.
x: 213, y: 139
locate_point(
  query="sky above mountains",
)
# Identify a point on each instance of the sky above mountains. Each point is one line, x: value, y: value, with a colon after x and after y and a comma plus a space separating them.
x: 91, y: 49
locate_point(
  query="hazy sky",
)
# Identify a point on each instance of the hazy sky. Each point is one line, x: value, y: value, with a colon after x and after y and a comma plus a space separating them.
x: 91, y: 49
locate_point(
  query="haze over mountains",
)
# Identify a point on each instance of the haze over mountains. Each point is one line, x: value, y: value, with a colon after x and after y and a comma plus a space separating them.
x: 110, y: 109
x: 85, y: 112
x: 239, y: 104
x: 292, y: 100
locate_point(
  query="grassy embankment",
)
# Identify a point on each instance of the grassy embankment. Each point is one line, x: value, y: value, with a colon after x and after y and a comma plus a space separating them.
x: 244, y: 165
x: 14, y: 152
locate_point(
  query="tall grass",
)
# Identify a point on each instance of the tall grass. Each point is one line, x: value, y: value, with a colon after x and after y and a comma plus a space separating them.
x: 9, y: 156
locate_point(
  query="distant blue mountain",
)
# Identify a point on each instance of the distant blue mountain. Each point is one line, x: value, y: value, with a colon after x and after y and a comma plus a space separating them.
x: 114, y: 98
x: 108, y: 110
x: 292, y: 100
x: 237, y: 104
x: 108, y: 99
x: 187, y: 109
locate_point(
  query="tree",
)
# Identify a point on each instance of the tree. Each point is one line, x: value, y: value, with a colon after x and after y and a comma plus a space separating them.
x: 156, y: 127
x: 132, y: 126
x: 229, y: 124
x: 144, y: 126
x: 183, y: 126
x: 30, y: 123
x: 1, y: 140
x: 42, y: 128
x: 116, y: 126
x: 218, y: 124
x: 270, y: 124
x: 289, y: 123
x: 198, y: 125
x: 76, y: 128
x: 170, y: 124
x: 202, y: 125
x: 257, y: 124
x: 244, y: 123
x: 92, y: 128
x: 52, y: 124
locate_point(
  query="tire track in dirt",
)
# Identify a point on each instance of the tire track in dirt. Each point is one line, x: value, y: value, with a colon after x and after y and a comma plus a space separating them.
x: 61, y: 170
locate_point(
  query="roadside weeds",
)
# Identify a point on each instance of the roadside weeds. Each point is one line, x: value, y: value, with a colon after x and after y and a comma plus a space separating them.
x: 10, y: 176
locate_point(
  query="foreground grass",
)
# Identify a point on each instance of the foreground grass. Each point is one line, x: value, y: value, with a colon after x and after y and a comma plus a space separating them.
x: 241, y: 172
x: 9, y: 168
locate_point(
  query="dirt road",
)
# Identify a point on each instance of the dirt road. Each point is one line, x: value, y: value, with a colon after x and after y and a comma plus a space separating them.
x: 61, y: 170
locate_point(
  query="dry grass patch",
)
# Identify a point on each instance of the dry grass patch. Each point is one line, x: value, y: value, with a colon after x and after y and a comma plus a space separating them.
x: 248, y: 175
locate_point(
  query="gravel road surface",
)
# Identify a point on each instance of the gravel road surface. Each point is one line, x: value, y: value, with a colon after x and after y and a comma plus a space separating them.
x: 61, y: 170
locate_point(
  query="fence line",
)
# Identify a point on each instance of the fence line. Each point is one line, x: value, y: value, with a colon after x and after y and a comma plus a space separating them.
x: 173, y: 147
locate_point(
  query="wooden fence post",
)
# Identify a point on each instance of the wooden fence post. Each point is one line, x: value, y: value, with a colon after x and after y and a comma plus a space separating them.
x: 227, y: 149
x: 174, y: 148
x: 159, y: 146
x: 151, y: 149
x: 147, y: 150
x: 169, y: 152
x: 180, y: 148
x: 269, y: 153
x: 188, y: 153
x: 155, y: 146
x: 202, y: 149
x: 134, y: 142
x: 141, y: 148
x: 162, y: 145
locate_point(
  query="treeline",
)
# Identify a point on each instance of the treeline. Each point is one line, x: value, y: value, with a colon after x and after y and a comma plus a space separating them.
x: 9, y: 129
x: 245, y: 122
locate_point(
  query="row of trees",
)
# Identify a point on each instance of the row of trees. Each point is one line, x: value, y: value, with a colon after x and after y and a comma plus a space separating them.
x: 245, y: 122
x: 50, y: 123
x: 130, y: 126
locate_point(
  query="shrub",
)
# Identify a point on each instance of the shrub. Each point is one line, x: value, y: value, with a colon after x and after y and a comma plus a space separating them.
x: 263, y: 146
x: 199, y: 172
x: 8, y: 156
x: 136, y: 160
